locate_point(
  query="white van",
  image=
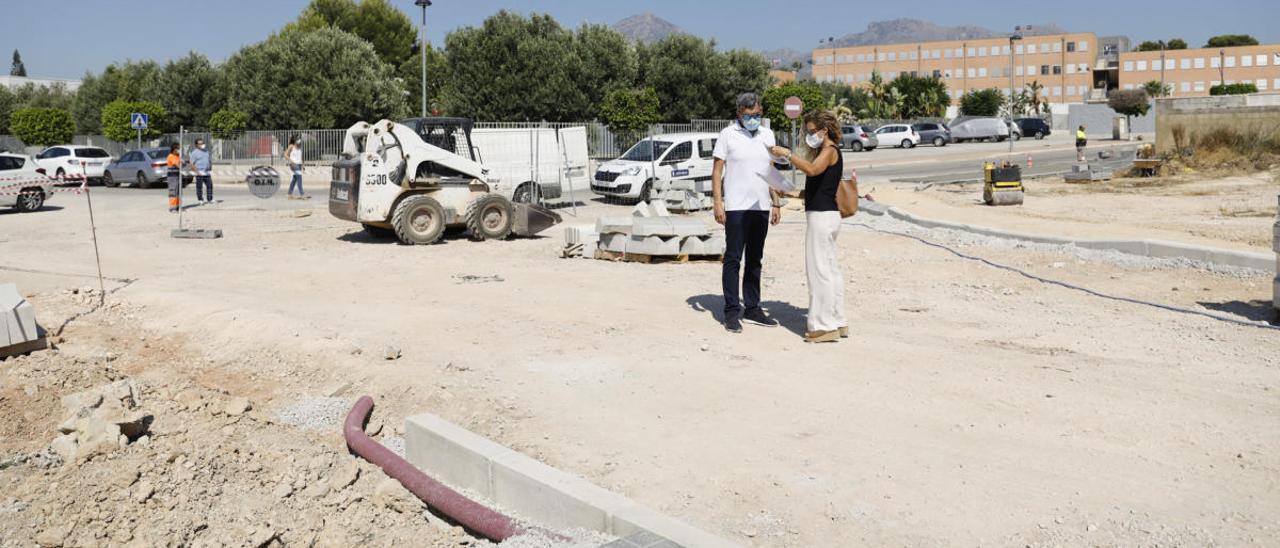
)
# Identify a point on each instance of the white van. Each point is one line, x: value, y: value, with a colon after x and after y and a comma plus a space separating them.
x: 655, y: 164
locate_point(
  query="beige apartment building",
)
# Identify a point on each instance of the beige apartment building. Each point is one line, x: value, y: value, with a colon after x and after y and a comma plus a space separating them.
x: 1063, y: 64
x: 1191, y: 72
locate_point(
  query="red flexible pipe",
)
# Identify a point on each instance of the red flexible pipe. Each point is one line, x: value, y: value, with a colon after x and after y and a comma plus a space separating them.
x: 471, y: 514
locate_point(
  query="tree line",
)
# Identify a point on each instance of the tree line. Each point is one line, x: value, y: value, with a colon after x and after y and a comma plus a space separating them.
x: 342, y: 61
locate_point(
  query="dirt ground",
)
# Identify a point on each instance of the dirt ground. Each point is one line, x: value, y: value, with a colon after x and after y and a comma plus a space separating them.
x: 1231, y: 212
x: 973, y: 405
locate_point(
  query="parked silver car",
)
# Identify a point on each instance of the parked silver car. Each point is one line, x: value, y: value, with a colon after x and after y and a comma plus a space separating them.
x: 857, y: 138
x: 141, y: 169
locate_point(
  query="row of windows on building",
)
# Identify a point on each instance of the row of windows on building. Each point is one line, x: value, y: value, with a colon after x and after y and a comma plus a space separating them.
x: 970, y: 72
x: 1176, y: 88
x: 950, y: 53
x: 1200, y: 62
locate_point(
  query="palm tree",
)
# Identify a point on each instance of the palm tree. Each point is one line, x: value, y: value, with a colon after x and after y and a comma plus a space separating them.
x: 1156, y: 88
x: 1036, y: 87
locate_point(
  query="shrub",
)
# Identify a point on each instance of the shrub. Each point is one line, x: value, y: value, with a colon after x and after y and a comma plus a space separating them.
x: 42, y: 126
x: 116, y: 119
x: 982, y: 102
x: 1239, y: 88
x: 228, y: 124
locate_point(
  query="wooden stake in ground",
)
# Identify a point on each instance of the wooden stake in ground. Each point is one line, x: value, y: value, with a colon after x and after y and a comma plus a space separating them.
x: 93, y: 227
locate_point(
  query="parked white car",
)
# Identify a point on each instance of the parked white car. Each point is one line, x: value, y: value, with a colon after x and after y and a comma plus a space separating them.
x: 898, y: 135
x: 74, y: 161
x: 651, y: 163
x: 21, y: 186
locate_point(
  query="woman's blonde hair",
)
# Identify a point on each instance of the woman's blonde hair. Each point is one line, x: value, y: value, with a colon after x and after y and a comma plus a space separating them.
x: 824, y: 120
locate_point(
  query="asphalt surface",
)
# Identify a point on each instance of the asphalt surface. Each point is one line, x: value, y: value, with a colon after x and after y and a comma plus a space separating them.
x: 1044, y: 163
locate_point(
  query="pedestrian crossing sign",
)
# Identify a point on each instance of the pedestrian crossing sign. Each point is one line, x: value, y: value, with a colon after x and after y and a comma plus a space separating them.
x: 138, y: 120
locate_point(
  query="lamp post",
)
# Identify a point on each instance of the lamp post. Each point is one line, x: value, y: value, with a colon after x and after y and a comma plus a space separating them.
x: 423, y: 52
x: 1016, y: 36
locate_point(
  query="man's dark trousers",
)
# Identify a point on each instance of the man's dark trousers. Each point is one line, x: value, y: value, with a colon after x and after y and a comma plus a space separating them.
x: 743, y: 230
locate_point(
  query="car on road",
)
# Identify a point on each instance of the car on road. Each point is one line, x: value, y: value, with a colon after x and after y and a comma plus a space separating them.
x: 74, y: 161
x: 898, y: 135
x: 662, y: 158
x: 978, y: 129
x: 858, y: 139
x: 141, y: 169
x: 935, y: 133
x: 1034, y: 127
x: 22, y: 186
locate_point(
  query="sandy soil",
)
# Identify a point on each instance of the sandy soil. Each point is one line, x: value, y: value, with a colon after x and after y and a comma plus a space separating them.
x: 1229, y: 212
x: 973, y: 406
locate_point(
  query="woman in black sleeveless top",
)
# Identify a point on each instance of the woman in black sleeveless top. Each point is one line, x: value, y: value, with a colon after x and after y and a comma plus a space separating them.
x: 823, y: 166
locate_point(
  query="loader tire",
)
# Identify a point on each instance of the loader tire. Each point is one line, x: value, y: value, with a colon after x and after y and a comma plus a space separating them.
x: 490, y: 217
x: 418, y: 220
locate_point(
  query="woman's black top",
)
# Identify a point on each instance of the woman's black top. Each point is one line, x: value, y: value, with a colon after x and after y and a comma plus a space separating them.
x: 820, y: 190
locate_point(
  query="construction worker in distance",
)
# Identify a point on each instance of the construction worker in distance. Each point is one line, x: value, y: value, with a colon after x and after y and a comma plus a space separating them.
x: 174, y: 163
x: 1080, y: 142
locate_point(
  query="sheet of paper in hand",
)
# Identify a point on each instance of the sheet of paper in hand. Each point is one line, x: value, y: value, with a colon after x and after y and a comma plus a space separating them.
x: 777, y: 181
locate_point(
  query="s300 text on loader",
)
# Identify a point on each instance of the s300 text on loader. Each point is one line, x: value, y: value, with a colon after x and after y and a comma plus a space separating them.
x: 393, y: 183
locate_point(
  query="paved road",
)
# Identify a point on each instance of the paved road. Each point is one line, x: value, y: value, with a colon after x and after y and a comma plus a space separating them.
x: 1052, y: 162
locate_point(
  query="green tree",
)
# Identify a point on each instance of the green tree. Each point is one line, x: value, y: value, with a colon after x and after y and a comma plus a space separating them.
x: 132, y: 81
x: 188, y: 90
x: 322, y: 79
x: 1035, y: 102
x: 410, y: 74
x: 982, y: 102
x: 116, y: 119
x: 42, y: 126
x: 746, y: 71
x: 1176, y: 43
x: 377, y: 21
x: 689, y: 77
x: 1239, y: 88
x: 606, y: 61
x: 515, y: 68
x: 1156, y: 88
x: 54, y: 96
x: 1231, y: 41
x: 1156, y: 45
x: 1130, y: 103
x: 922, y: 96
x: 880, y: 102
x: 8, y: 102
x: 228, y: 124
x: 775, y: 98
x: 18, y: 68
x: 630, y: 110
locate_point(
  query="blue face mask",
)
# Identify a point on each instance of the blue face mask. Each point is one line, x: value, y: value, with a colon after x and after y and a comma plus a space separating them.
x: 750, y: 122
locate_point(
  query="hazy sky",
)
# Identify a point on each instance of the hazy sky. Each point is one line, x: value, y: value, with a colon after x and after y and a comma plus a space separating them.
x: 64, y: 38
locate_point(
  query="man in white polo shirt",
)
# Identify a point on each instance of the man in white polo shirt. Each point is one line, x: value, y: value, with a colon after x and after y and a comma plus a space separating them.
x: 746, y: 207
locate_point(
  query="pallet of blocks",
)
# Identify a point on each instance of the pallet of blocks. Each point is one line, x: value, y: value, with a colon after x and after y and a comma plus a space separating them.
x: 649, y: 234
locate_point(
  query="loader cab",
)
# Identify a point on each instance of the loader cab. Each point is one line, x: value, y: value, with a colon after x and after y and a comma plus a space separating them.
x: 451, y: 134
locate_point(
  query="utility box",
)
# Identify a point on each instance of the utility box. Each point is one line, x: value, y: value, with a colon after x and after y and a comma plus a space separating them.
x: 1120, y: 128
x: 19, y: 333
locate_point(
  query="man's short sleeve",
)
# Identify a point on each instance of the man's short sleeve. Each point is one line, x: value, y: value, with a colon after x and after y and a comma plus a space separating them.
x: 721, y: 150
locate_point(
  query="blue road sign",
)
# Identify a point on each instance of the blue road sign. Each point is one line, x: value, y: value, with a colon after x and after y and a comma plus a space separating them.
x: 138, y: 120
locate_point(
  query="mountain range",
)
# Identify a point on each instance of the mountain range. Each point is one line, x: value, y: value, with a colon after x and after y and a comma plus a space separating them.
x: 650, y: 28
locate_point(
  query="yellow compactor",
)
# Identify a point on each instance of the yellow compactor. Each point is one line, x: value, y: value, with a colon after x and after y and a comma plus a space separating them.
x: 1002, y: 185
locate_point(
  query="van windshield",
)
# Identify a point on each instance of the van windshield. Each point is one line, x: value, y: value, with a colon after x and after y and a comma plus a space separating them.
x: 644, y: 150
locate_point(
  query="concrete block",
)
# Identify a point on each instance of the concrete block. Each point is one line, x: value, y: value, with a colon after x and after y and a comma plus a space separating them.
x: 1275, y: 237
x: 634, y: 518
x: 688, y: 226
x: 1275, y: 294
x: 17, y: 320
x: 652, y: 226
x: 711, y: 244
x: 550, y: 497
x: 580, y: 234
x: 616, y: 243
x: 1080, y: 168
x: 654, y: 245
x: 642, y: 209
x: 450, y: 453
x: 659, y: 208
x: 614, y: 225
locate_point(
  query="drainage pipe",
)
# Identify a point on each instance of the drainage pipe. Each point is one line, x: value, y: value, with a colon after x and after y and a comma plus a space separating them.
x: 470, y: 514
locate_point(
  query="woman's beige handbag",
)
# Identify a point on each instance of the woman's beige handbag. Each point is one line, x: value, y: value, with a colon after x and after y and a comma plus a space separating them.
x: 847, y: 197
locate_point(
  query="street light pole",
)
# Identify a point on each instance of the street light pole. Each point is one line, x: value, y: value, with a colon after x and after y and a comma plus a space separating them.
x: 422, y: 50
x: 1016, y: 36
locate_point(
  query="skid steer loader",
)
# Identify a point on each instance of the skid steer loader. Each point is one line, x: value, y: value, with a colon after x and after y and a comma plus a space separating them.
x: 393, y: 182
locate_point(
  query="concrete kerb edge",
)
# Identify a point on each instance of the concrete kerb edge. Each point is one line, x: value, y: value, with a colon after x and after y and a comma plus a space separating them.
x: 532, y: 489
x: 1147, y: 248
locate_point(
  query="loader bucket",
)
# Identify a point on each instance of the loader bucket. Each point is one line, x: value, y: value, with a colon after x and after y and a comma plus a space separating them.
x: 531, y: 219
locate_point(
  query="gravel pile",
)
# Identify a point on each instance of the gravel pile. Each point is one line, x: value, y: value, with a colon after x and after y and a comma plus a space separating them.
x: 315, y: 413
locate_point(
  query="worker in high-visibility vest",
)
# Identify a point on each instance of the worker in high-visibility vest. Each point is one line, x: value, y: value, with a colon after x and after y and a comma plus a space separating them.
x: 174, y: 163
x: 1080, y: 142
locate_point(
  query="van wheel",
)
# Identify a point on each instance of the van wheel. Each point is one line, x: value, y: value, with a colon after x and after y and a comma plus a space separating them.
x: 646, y: 191
x: 30, y: 200
x: 418, y: 220
x: 857, y: 146
x: 1039, y: 135
x: 490, y: 217
x: 527, y: 193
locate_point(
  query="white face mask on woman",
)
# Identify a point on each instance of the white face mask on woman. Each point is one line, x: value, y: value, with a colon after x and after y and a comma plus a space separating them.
x: 814, y: 140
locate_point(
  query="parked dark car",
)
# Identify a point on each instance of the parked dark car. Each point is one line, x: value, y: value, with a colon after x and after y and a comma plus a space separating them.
x: 937, y: 134
x: 1033, y: 127
x: 857, y: 138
